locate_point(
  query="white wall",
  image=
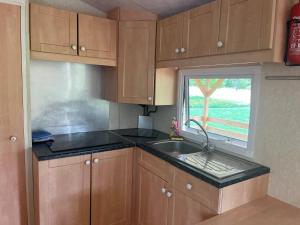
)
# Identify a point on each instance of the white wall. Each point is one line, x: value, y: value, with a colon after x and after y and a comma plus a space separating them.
x: 278, y: 131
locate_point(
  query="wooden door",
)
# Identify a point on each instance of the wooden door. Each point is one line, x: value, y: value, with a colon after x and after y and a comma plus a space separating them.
x: 152, y: 204
x: 201, y: 30
x: 12, y: 155
x: 169, y: 37
x: 246, y: 25
x: 53, y: 30
x: 136, y: 62
x: 97, y: 37
x: 112, y: 187
x: 184, y: 210
x: 62, y: 191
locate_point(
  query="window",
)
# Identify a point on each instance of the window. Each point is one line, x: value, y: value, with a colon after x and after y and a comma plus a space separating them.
x: 224, y: 102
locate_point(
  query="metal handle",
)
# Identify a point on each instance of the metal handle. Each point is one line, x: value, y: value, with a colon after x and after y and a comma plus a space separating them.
x: 74, y: 47
x: 13, y: 139
x: 189, y: 187
x: 163, y: 190
x: 87, y: 162
x: 149, y: 99
x: 96, y: 160
x: 220, y: 44
x: 182, y: 50
x: 169, y: 194
x: 177, y: 50
x: 82, y: 48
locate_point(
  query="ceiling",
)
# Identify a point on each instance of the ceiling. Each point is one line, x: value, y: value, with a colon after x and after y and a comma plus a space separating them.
x: 161, y: 7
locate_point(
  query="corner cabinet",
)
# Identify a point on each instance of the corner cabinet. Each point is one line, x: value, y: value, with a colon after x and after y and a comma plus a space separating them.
x: 62, y: 35
x: 136, y: 62
x: 224, y: 32
x: 77, y: 190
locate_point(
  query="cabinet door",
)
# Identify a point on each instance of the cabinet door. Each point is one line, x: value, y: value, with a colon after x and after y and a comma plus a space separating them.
x: 184, y: 210
x: 169, y: 37
x: 201, y: 30
x: 152, y: 204
x: 112, y: 187
x: 136, y: 62
x: 97, y: 37
x: 62, y: 191
x: 246, y: 25
x: 53, y: 30
x: 12, y: 156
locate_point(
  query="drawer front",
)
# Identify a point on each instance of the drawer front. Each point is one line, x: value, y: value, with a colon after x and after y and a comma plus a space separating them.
x: 156, y: 165
x: 199, y: 190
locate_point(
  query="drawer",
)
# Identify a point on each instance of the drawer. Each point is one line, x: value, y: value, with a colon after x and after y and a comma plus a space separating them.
x: 156, y: 165
x: 197, y: 189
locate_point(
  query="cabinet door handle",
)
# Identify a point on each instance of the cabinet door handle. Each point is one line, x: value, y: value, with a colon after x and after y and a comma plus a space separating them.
x: 220, y: 44
x: 169, y: 194
x: 149, y: 99
x: 82, y: 48
x: 87, y: 162
x: 182, y: 50
x: 74, y: 47
x: 163, y: 190
x: 189, y: 187
x: 177, y: 50
x: 96, y: 160
x: 13, y: 139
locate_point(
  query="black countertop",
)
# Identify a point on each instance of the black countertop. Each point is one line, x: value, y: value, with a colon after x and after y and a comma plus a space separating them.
x: 140, y: 138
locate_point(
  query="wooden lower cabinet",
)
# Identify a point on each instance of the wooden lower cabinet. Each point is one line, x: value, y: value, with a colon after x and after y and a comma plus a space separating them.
x: 152, y: 203
x: 111, y: 188
x: 158, y: 203
x: 184, y: 210
x: 84, y: 190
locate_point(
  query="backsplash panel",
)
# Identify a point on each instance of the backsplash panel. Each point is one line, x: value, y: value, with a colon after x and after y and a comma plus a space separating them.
x: 66, y: 97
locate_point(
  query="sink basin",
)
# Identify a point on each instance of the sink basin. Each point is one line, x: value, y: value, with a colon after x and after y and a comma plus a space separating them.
x: 176, y: 148
x: 215, y: 163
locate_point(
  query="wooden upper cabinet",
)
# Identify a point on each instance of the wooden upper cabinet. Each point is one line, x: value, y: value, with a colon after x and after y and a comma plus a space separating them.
x: 53, y: 30
x: 136, y: 62
x: 62, y: 191
x: 97, y: 37
x: 201, y: 30
x: 112, y: 187
x: 152, y: 204
x: 169, y: 37
x: 246, y: 25
x: 184, y: 210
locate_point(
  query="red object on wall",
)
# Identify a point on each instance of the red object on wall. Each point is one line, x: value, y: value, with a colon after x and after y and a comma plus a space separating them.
x: 294, y: 36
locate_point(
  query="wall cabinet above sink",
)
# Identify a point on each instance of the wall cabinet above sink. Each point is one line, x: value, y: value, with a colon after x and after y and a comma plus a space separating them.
x: 62, y: 35
x: 224, y: 32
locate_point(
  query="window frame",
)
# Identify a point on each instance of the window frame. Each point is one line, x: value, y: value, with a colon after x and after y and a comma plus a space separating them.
x: 253, y: 72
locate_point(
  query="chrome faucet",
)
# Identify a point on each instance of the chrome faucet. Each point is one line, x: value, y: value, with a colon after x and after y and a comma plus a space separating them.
x: 207, y: 146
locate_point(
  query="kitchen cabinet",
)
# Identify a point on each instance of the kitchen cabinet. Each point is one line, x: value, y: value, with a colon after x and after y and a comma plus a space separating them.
x: 190, y: 34
x: 77, y: 190
x: 53, y: 30
x: 111, y: 188
x: 246, y: 25
x: 158, y: 200
x: 97, y: 37
x: 169, y: 37
x: 62, y: 191
x: 62, y: 35
x: 225, y: 32
x: 136, y: 62
x: 151, y: 196
x: 13, y: 204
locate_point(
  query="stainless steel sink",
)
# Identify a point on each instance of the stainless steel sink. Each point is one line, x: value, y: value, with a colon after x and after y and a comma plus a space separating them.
x: 215, y: 163
x: 176, y: 148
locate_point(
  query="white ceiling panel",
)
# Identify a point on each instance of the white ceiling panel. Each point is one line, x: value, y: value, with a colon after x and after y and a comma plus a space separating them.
x: 161, y: 7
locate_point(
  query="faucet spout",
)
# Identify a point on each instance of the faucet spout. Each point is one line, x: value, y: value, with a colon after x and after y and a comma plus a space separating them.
x: 202, y: 128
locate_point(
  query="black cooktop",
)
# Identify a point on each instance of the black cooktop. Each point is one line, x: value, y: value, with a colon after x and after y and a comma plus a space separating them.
x: 75, y: 141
